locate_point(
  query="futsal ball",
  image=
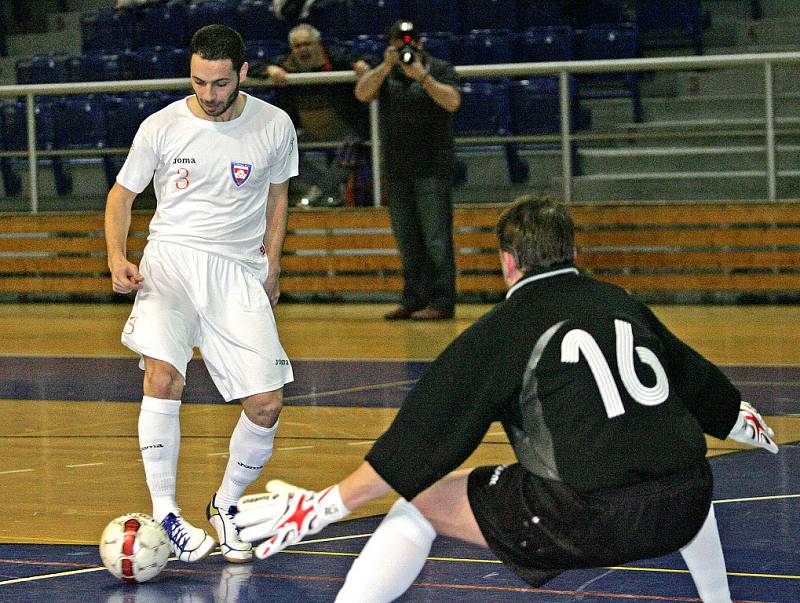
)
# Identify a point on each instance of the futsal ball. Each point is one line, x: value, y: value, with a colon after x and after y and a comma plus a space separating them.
x: 134, y: 547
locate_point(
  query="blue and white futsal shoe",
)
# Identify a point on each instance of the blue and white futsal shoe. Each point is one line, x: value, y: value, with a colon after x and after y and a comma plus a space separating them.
x: 233, y: 548
x: 187, y: 542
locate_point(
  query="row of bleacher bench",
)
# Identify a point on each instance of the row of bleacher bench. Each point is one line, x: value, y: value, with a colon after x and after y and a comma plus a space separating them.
x: 670, y: 22
x: 727, y: 248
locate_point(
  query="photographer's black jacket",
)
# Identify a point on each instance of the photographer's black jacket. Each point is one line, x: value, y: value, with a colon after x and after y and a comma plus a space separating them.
x: 553, y: 363
x: 416, y: 133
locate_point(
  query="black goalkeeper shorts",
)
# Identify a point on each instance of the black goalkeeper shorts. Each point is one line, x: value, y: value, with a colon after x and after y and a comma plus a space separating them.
x: 542, y: 527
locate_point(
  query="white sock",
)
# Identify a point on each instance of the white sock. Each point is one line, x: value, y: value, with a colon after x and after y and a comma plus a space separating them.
x: 704, y: 558
x: 250, y: 449
x: 160, y: 443
x: 392, y: 558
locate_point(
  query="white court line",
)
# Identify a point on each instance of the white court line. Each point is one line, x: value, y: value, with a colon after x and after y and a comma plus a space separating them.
x: 295, y: 448
x: 360, y: 443
x: 755, y: 498
x: 15, y: 471
x: 87, y: 570
x: 218, y: 454
x: 84, y: 465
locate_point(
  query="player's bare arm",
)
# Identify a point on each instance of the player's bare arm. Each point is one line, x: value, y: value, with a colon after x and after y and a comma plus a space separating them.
x: 275, y: 233
x: 125, y: 276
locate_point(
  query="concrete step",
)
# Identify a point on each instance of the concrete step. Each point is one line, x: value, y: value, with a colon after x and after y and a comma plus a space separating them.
x: 613, y: 113
x: 784, y: 29
x: 685, y: 159
x: 25, y: 45
x: 743, y: 184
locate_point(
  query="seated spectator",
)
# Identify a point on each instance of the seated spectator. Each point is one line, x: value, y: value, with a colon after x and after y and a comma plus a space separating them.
x: 319, y: 112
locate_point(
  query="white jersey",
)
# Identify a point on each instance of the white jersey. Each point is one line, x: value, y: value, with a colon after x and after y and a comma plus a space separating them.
x: 211, y: 178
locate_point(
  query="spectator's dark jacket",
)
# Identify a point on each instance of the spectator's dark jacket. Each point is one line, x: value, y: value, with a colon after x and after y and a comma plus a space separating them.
x: 349, y: 108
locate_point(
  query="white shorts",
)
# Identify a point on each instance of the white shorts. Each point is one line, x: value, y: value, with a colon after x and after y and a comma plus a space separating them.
x: 190, y: 299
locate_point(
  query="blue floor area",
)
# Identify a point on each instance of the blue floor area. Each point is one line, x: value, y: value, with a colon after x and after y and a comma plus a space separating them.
x: 756, y: 493
x: 758, y: 516
x: 774, y: 389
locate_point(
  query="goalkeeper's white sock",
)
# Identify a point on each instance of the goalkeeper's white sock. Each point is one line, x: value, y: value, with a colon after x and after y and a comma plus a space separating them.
x: 160, y: 443
x: 250, y: 449
x: 704, y: 558
x: 391, y: 559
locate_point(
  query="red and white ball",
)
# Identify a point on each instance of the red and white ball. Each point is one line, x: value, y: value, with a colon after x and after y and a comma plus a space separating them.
x: 134, y: 547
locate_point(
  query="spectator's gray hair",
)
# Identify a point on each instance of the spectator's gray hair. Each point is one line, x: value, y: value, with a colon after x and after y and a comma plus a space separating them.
x: 316, y: 36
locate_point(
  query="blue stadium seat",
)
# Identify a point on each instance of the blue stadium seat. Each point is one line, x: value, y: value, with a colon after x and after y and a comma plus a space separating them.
x: 208, y: 12
x: 435, y: 15
x: 47, y: 68
x: 124, y: 113
x: 107, y: 67
x: 80, y: 123
x: 368, y: 44
x: 485, y: 109
x: 602, y: 42
x: 160, y: 63
x: 373, y: 17
x: 255, y: 20
x: 332, y: 18
x: 544, y: 44
x: 260, y: 51
x: 670, y: 23
x: 162, y: 25
x: 485, y: 47
x: 538, y: 13
x: 488, y: 14
x: 106, y: 30
x: 443, y: 45
x: 536, y: 106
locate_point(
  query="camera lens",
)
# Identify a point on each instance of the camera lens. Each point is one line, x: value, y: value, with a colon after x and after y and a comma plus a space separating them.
x: 407, y: 54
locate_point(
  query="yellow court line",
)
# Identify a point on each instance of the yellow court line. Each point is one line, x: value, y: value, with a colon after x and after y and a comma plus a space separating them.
x: 55, y: 575
x: 755, y: 498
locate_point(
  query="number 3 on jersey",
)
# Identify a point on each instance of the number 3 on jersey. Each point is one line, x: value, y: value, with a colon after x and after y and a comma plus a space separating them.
x: 578, y: 341
x: 183, y: 179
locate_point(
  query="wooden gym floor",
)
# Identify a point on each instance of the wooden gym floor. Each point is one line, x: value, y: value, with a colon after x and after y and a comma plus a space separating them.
x: 69, y: 396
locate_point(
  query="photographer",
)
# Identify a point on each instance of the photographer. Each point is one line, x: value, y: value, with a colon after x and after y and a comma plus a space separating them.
x: 418, y: 95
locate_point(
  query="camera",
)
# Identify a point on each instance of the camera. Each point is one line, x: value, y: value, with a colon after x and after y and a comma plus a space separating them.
x: 407, y: 33
x: 407, y: 52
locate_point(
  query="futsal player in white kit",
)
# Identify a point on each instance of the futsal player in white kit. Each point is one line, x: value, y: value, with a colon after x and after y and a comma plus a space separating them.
x: 220, y: 162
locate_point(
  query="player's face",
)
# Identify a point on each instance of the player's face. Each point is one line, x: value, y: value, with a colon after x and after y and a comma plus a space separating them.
x: 216, y: 85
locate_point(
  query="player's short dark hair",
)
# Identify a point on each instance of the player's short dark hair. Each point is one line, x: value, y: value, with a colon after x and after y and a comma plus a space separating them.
x: 217, y: 43
x: 538, y: 232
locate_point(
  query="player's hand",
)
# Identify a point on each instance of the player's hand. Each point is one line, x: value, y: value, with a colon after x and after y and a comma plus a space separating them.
x: 751, y: 429
x: 285, y: 514
x: 272, y: 287
x: 125, y: 277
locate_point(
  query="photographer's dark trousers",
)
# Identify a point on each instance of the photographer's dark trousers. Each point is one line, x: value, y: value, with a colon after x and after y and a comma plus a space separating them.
x: 421, y: 212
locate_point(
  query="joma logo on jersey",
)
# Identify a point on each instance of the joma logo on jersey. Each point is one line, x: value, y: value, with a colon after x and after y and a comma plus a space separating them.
x: 183, y: 160
x: 240, y: 172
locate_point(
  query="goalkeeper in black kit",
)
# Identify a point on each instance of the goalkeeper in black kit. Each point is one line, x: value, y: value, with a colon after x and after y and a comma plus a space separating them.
x: 605, y: 409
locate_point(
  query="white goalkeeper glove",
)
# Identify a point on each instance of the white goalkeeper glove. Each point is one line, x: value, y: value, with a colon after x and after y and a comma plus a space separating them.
x: 285, y: 514
x: 751, y: 429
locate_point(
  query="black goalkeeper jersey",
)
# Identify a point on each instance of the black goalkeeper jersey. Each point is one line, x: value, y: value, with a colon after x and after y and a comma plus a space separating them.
x: 591, y: 388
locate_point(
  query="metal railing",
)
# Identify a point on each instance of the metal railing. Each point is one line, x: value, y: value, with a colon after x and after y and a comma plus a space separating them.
x: 563, y: 69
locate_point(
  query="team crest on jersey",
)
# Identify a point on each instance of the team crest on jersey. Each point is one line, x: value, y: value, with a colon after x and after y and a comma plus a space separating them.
x: 240, y: 172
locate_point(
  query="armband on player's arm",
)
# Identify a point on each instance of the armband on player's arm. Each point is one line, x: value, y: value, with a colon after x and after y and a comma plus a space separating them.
x: 751, y: 429
x: 286, y: 514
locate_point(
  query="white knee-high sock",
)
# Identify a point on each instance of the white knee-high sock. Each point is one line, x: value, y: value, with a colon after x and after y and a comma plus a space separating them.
x: 160, y: 443
x: 250, y: 449
x: 392, y: 558
x: 704, y: 558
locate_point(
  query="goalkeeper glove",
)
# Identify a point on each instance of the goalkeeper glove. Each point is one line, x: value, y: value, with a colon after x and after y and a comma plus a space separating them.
x: 751, y: 429
x: 286, y: 514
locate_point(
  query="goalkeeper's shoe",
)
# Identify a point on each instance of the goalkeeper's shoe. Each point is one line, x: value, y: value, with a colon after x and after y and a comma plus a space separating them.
x: 187, y: 542
x: 233, y: 548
